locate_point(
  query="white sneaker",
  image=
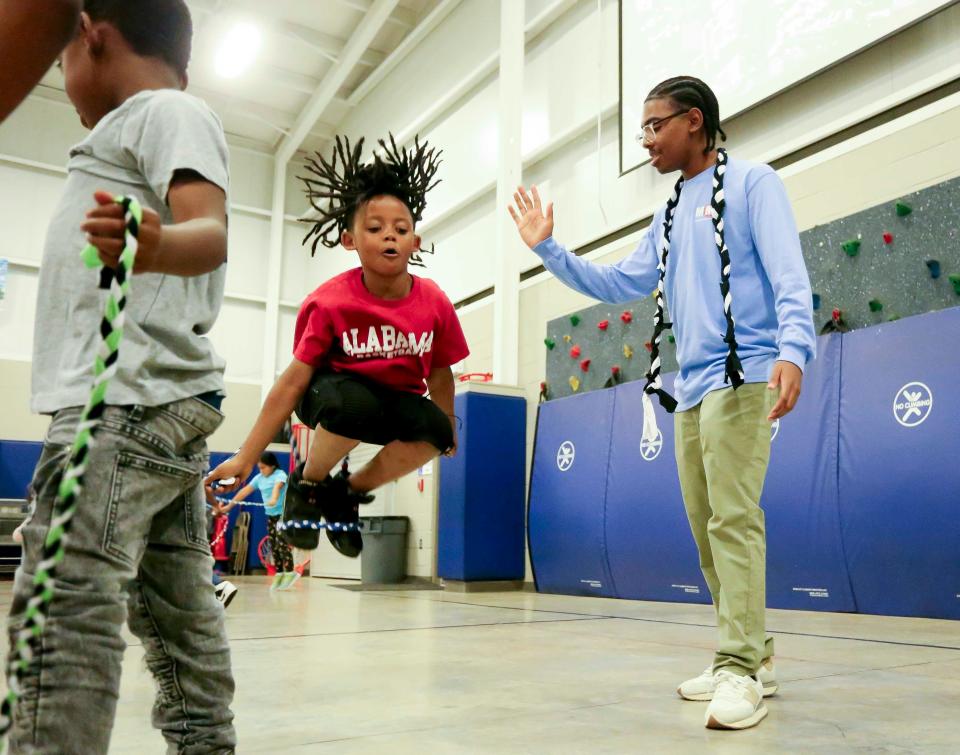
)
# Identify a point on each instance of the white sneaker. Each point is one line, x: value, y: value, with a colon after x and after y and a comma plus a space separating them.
x: 701, y: 688
x: 737, y: 702
x: 225, y: 591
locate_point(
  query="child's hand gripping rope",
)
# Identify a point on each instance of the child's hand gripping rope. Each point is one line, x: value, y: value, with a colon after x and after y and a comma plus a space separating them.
x: 117, y: 281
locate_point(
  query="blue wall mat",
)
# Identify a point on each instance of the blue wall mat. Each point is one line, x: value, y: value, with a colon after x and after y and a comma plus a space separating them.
x: 651, y: 552
x: 806, y: 568
x: 481, y: 517
x: 567, y: 490
x: 17, y: 461
x: 898, y: 462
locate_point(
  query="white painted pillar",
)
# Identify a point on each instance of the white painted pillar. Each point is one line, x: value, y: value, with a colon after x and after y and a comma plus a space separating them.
x: 509, y: 247
x: 271, y: 320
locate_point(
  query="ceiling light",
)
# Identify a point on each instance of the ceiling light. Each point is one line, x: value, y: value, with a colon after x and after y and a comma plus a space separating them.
x: 237, y: 50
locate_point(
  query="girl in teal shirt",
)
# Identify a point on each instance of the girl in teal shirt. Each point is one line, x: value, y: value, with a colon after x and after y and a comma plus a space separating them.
x: 272, y: 484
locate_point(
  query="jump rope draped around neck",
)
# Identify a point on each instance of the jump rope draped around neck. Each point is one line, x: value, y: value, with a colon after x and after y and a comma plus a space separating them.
x: 733, y: 370
x: 117, y: 282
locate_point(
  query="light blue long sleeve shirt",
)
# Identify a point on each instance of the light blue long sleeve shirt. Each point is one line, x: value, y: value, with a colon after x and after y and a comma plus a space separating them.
x: 772, y: 304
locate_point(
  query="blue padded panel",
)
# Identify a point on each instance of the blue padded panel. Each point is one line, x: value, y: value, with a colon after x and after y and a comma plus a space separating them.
x: 481, y: 517
x: 17, y: 461
x: 899, y: 501
x: 806, y: 567
x: 567, y: 491
x: 651, y: 551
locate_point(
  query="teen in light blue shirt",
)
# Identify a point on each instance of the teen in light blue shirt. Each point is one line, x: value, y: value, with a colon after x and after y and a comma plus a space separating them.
x: 727, y: 251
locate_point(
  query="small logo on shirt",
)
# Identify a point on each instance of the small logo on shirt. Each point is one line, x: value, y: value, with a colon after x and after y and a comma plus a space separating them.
x: 705, y: 213
x: 385, y: 343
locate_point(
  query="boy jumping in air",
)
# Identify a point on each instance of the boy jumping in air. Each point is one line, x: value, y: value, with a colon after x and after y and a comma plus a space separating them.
x: 368, y: 345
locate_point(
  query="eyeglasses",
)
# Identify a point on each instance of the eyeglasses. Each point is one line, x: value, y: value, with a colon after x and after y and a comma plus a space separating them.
x: 648, y: 133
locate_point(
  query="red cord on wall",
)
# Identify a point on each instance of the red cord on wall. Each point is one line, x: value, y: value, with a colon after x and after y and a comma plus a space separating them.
x: 477, y: 377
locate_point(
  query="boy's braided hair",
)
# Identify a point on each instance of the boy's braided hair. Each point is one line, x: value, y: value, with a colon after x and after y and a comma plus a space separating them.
x: 690, y: 92
x: 338, y: 187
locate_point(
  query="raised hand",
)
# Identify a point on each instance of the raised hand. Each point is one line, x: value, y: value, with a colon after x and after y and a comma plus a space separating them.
x: 533, y: 224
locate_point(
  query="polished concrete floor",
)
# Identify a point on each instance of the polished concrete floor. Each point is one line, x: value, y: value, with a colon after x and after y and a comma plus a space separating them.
x: 324, y: 670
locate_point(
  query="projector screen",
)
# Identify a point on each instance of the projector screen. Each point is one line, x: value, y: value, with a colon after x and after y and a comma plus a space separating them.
x: 746, y: 50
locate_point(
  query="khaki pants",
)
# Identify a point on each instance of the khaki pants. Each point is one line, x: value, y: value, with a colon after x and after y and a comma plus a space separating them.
x: 723, y: 447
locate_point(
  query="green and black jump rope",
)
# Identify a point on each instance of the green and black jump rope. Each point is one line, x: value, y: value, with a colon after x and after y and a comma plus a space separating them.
x: 117, y: 282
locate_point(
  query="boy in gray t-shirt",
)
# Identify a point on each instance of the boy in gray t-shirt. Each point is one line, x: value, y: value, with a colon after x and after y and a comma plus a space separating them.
x: 138, y: 549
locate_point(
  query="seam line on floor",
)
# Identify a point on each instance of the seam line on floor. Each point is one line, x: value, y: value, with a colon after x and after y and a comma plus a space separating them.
x: 675, y: 623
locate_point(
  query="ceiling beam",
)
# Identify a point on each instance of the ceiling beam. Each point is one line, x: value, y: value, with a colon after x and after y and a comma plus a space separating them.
x: 430, y: 22
x: 326, y: 44
x: 373, y: 20
x: 400, y: 16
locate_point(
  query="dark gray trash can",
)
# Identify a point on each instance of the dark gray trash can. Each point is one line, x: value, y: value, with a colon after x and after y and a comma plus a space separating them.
x: 384, y: 557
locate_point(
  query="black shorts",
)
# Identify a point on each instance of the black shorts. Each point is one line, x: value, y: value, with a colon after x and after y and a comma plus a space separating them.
x: 353, y: 407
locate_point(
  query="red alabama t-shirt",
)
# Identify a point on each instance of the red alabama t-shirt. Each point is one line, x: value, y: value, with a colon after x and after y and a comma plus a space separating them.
x: 343, y: 327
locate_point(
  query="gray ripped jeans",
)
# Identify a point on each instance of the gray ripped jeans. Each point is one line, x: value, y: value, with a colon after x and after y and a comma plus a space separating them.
x: 138, y: 551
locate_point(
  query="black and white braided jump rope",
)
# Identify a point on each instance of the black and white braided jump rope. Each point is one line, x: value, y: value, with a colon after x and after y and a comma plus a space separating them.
x: 733, y: 370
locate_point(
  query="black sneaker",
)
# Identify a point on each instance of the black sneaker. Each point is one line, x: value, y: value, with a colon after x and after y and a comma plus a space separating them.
x: 300, y: 505
x: 340, y: 505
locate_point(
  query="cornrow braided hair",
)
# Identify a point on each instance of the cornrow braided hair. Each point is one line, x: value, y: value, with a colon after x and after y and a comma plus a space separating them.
x: 691, y: 92
x: 733, y: 369
x: 338, y: 187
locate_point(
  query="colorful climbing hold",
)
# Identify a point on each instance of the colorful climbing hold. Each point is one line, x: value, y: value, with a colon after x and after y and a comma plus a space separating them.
x: 549, y: 343
x: 671, y: 339
x: 876, y: 305
x: 585, y: 365
x: 955, y: 282
x: 615, y: 377
x: 603, y: 324
x: 627, y: 351
x: 887, y: 237
x: 575, y: 320
x: 851, y: 247
x: 575, y: 351
x: 574, y: 383
x: 567, y: 339
x: 934, y: 267
x: 648, y: 346
x: 816, y: 302
x: 627, y: 317
x: 903, y: 209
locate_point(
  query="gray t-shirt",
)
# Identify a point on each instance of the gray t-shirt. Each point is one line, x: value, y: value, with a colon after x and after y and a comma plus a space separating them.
x: 165, y: 354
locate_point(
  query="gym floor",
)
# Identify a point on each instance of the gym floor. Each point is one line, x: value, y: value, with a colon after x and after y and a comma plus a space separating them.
x: 321, y: 669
